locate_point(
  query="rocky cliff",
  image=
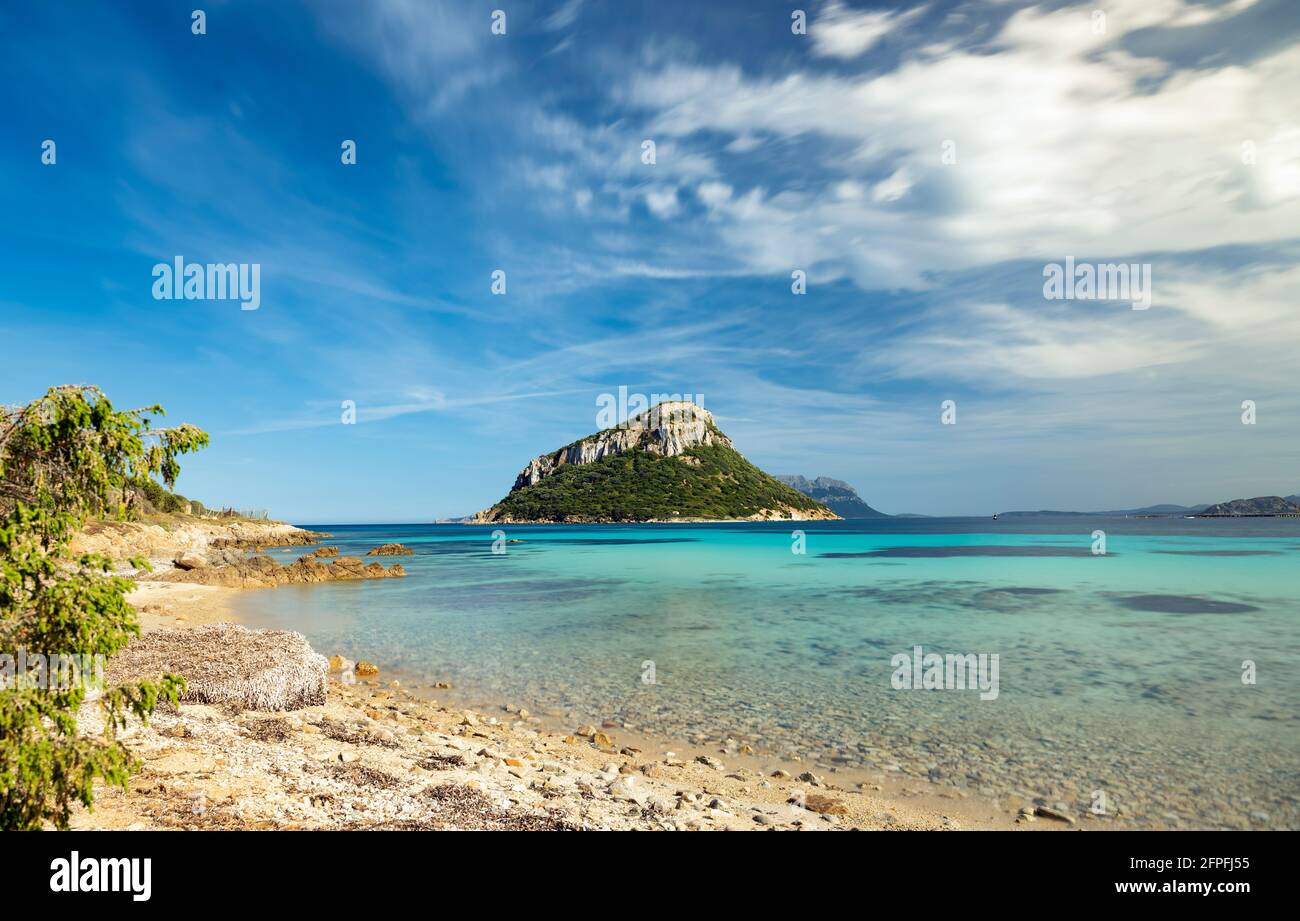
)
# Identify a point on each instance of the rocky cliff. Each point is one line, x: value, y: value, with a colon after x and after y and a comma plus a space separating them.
x: 669, y: 463
x: 665, y: 430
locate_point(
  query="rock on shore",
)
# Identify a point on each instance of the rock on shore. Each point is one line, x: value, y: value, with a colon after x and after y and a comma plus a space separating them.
x: 265, y: 572
x: 167, y: 538
x: 293, y: 537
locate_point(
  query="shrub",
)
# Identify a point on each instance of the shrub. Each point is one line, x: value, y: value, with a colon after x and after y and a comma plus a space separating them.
x: 162, y: 500
x: 64, y: 457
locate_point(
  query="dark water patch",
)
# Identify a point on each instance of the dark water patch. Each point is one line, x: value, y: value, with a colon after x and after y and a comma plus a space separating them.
x: 903, y: 596
x: 975, y: 550
x: 1181, y: 604
x: 485, y: 544
x: 963, y: 594
x: 1219, y: 552
x: 616, y: 541
x: 1027, y: 590
x: 482, y: 594
x: 453, y: 547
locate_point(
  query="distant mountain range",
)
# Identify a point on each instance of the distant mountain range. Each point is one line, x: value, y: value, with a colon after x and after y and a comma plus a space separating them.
x: 1114, y: 513
x: 669, y: 463
x: 1259, y: 506
x: 838, y: 496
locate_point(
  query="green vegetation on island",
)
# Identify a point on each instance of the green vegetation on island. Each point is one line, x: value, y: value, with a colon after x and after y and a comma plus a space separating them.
x: 705, y: 481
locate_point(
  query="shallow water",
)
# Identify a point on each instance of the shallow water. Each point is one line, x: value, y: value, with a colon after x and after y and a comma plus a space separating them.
x: 1118, y: 673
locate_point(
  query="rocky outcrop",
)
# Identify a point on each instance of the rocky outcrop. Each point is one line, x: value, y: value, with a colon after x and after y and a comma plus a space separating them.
x: 666, y: 430
x: 168, y: 539
x: 264, y: 572
x: 390, y: 550
x: 293, y: 537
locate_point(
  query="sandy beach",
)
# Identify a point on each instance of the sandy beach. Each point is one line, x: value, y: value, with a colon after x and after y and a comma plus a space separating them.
x: 378, y: 754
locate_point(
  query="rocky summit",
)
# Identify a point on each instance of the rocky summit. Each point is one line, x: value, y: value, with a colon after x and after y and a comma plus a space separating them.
x: 669, y: 463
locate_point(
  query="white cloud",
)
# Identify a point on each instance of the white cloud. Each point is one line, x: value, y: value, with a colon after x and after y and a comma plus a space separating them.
x: 714, y: 194
x: 844, y: 33
x: 564, y: 17
x: 1001, y: 342
x: 1065, y: 144
x: 663, y: 202
x: 849, y: 190
x: 1204, y: 324
x: 431, y: 50
x: 895, y: 187
x: 1254, y: 305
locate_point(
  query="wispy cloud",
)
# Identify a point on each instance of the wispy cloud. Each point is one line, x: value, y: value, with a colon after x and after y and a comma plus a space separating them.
x: 435, y: 52
x: 841, y: 32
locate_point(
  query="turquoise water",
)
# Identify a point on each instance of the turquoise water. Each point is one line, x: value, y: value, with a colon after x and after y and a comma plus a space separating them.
x: 1119, y: 673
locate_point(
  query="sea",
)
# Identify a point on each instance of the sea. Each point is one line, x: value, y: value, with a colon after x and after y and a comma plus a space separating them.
x: 1147, y: 669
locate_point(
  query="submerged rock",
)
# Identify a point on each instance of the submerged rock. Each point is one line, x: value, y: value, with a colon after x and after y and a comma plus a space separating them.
x: 390, y: 550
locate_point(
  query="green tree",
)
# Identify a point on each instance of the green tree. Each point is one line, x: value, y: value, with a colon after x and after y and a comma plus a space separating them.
x: 64, y: 458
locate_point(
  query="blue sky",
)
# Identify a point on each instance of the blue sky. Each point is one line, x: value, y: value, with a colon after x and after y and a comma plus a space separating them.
x: 1165, y: 134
